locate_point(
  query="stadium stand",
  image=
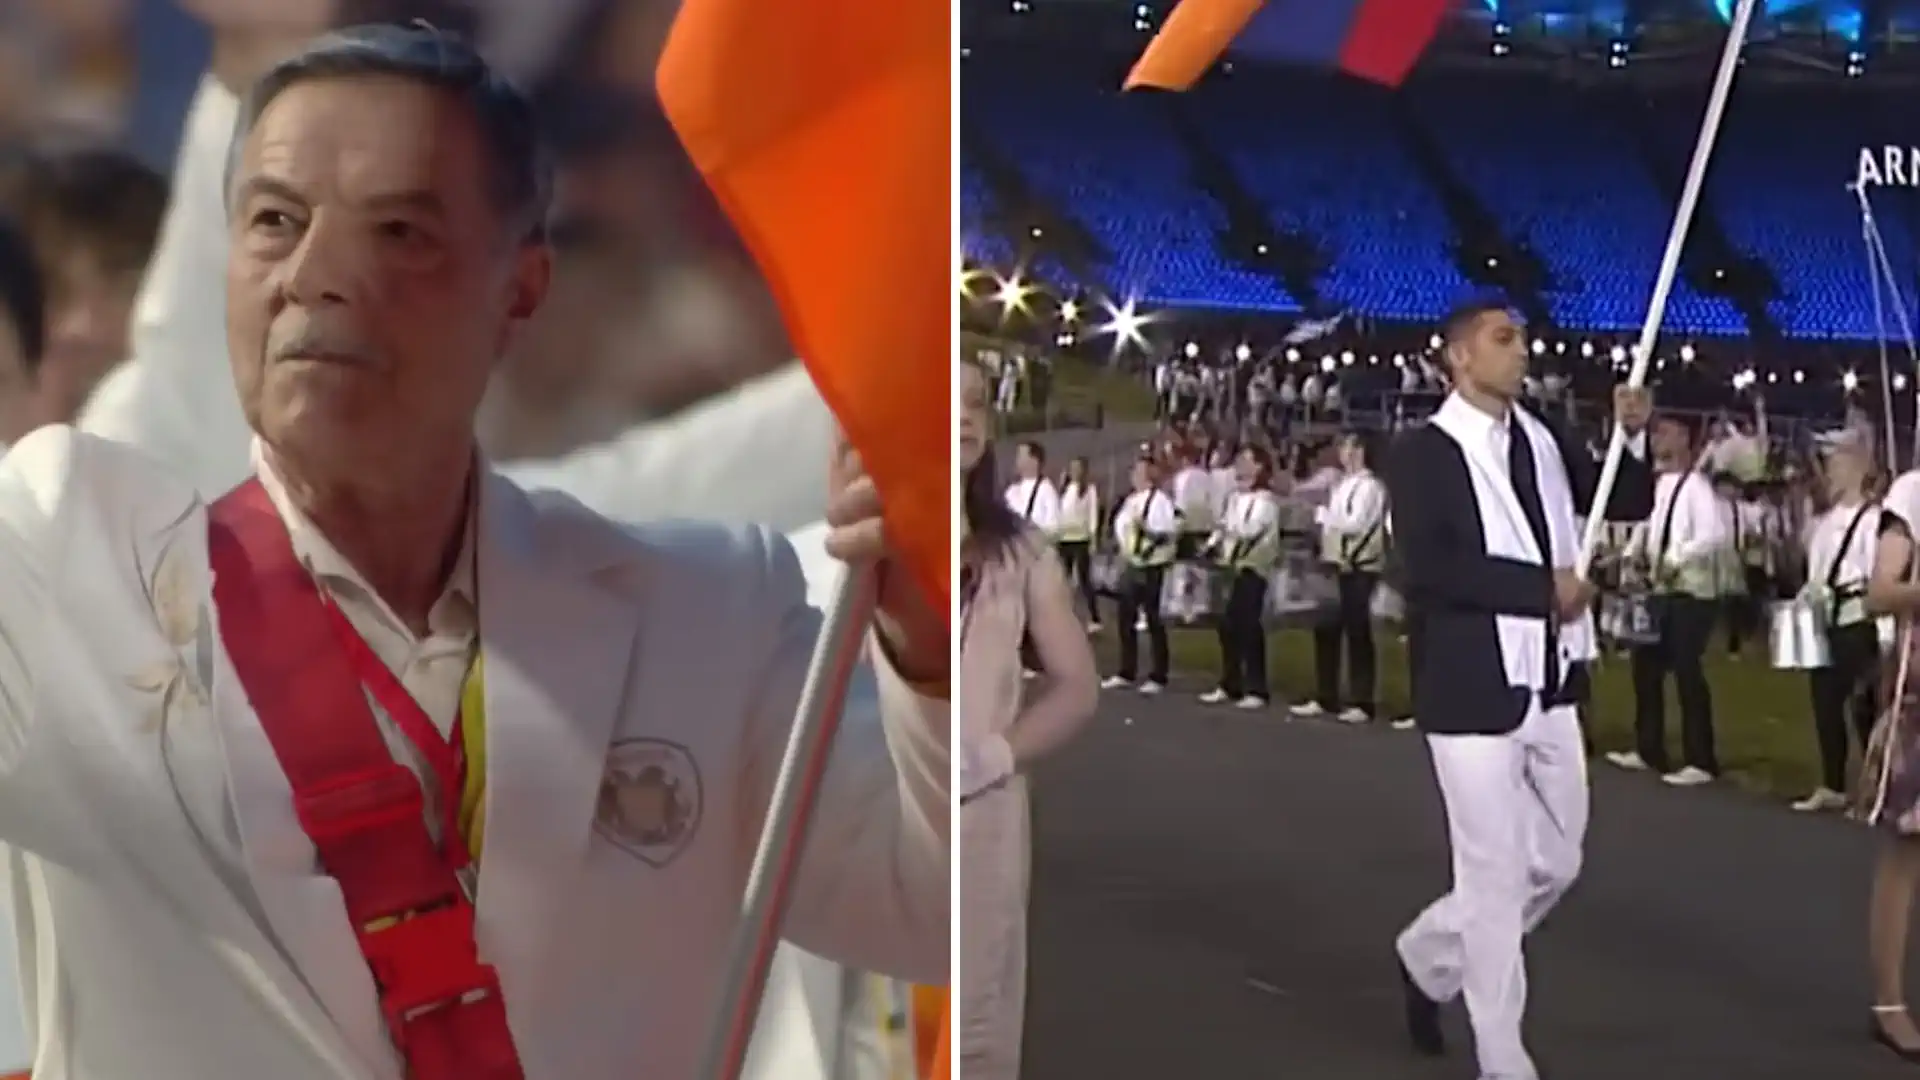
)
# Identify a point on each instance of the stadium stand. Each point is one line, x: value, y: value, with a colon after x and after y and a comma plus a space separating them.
x: 1110, y: 161
x: 1320, y: 153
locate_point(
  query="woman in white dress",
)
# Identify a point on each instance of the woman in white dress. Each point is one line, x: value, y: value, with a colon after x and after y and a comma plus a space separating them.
x: 1011, y: 587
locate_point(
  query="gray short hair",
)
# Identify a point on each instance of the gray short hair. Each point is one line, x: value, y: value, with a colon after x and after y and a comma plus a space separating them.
x: 519, y: 160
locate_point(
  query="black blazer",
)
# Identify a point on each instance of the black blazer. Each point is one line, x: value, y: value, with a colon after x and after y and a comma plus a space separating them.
x: 1632, y: 497
x: 1453, y: 588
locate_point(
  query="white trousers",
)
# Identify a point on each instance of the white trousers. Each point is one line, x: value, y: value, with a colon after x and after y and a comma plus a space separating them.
x: 1516, y: 818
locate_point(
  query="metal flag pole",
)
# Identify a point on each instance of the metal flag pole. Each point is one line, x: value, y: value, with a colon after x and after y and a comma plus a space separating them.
x: 822, y: 700
x: 1869, y: 237
x: 1669, y: 267
x: 1880, y: 268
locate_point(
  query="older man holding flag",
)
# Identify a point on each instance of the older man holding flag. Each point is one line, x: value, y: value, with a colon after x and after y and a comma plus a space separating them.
x: 315, y: 262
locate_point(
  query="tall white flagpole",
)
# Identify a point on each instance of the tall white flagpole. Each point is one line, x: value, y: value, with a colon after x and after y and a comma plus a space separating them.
x: 1669, y: 267
x: 822, y: 699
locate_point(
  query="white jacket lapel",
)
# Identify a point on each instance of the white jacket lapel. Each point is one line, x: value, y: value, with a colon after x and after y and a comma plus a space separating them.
x: 556, y: 646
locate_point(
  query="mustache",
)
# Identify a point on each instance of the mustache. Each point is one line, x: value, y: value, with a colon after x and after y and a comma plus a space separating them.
x: 314, y: 341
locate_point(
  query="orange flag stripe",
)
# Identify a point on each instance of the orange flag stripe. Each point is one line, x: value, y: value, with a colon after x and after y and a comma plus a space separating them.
x: 943, y: 1053
x: 1192, y: 38
x: 822, y: 127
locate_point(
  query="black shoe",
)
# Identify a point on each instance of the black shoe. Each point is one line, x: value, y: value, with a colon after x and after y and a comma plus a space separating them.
x: 1423, y: 1017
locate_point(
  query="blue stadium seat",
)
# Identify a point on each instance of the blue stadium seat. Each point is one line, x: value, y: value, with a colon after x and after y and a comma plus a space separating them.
x: 1111, y: 162
x: 1320, y: 153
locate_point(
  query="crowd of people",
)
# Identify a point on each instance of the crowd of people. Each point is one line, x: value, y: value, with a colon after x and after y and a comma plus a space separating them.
x: 1712, y: 538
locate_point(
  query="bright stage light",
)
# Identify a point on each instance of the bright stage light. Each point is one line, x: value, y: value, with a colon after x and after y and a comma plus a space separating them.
x: 1849, y: 381
x: 1125, y: 323
x: 1192, y: 349
x: 1242, y: 352
x: 1899, y: 383
x: 1686, y: 354
x: 1327, y: 363
x: 1293, y: 355
x: 971, y: 276
x: 1618, y: 354
x: 1012, y: 295
x: 1434, y: 342
x: 1539, y: 347
x: 1586, y: 349
x: 1346, y: 358
x: 1069, y: 311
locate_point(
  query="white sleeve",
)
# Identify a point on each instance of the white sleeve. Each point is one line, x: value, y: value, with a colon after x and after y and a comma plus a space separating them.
x: 757, y: 455
x: 873, y: 890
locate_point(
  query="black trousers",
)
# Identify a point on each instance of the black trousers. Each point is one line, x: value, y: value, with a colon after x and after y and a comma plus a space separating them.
x: 1685, y: 625
x: 1350, y: 631
x: 1076, y: 557
x: 1140, y: 595
x: 1847, y: 689
x: 1243, y: 637
x: 1744, y: 613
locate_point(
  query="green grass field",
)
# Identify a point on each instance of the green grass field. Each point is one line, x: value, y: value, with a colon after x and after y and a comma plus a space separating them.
x: 1762, y: 718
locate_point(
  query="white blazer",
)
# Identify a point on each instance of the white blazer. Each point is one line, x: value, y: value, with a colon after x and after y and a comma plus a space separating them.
x: 167, y: 903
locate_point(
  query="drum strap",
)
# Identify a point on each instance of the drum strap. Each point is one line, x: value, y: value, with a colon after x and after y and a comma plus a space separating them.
x: 363, y: 811
x: 1834, y: 595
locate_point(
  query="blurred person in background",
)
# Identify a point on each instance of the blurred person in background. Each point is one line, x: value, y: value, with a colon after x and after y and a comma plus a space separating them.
x: 92, y: 215
x: 1012, y: 592
x: 1840, y: 551
x: 1889, y: 790
x: 23, y: 336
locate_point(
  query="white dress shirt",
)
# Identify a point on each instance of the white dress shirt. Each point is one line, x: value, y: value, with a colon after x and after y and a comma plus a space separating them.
x: 1687, y: 525
x: 1079, y: 511
x: 1833, y: 569
x: 1151, y: 510
x: 1037, y: 502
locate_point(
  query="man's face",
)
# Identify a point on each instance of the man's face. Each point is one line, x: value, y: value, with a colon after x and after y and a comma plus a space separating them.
x: 1671, y: 439
x: 372, y: 280
x: 89, y: 314
x: 1492, y: 354
x: 1633, y: 405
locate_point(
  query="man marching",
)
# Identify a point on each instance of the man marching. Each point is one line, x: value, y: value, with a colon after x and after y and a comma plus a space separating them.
x: 1485, y: 498
x: 380, y: 766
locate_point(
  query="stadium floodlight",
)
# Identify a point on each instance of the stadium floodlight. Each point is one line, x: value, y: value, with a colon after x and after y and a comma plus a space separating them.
x: 1069, y: 311
x: 1126, y: 323
x: 1012, y: 295
x: 969, y: 277
x: 1849, y: 381
x: 1686, y: 354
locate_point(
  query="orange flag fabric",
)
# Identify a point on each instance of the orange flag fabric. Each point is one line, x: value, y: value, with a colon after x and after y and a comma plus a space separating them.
x: 932, y: 1028
x: 1195, y: 34
x: 822, y: 127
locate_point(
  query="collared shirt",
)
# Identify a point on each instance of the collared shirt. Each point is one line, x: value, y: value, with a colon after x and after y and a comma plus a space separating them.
x: 1687, y: 523
x: 433, y: 669
x: 1827, y: 561
x: 1037, y: 502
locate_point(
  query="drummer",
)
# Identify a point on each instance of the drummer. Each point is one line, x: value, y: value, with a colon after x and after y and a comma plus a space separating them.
x: 1840, y: 546
x: 1245, y: 546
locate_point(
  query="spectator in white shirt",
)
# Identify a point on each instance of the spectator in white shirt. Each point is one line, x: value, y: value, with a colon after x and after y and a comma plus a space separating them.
x: 1033, y: 496
x: 1676, y: 551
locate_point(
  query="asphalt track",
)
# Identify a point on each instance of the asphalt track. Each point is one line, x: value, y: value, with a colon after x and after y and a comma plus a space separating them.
x: 1215, y: 895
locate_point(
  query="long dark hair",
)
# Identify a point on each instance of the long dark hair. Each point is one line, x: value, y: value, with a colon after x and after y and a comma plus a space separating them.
x: 992, y: 526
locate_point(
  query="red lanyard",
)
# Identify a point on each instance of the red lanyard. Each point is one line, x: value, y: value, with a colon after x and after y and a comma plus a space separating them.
x: 445, y: 755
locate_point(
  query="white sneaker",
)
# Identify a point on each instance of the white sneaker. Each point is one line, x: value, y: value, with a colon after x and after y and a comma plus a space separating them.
x: 1150, y: 688
x: 1822, y: 800
x: 1354, y: 716
x: 1114, y: 682
x: 1213, y: 697
x: 1251, y: 702
x: 1307, y: 710
x: 1627, y: 759
x: 1405, y: 723
x: 1689, y: 777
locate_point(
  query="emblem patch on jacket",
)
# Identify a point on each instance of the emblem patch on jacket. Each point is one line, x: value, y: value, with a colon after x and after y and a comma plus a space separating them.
x: 650, y: 800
